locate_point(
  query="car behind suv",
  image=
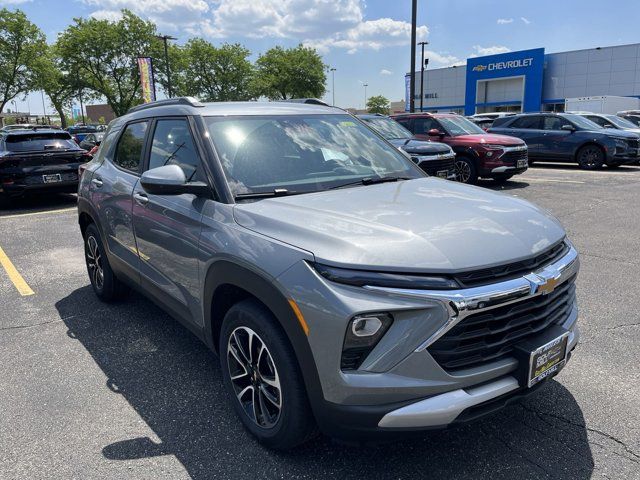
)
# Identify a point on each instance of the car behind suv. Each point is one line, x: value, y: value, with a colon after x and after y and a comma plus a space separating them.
x: 566, y: 137
x: 39, y: 159
x: 340, y: 286
x: 436, y: 159
x: 478, y: 154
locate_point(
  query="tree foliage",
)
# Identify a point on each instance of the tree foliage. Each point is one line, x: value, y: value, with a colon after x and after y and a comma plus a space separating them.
x: 217, y: 74
x: 290, y: 73
x: 102, y: 54
x: 21, y: 44
x: 378, y: 104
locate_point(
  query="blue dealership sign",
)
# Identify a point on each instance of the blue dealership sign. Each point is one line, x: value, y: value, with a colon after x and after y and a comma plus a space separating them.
x: 528, y: 64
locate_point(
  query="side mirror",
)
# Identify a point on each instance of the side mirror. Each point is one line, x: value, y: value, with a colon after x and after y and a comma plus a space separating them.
x: 568, y: 128
x: 606, y: 125
x: 434, y: 132
x: 171, y: 180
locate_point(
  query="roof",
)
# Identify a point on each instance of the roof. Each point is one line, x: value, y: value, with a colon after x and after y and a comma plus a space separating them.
x: 425, y: 114
x: 31, y: 131
x: 365, y: 116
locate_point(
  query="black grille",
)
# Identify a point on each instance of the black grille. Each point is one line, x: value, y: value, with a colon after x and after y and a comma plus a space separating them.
x: 512, y: 270
x: 489, y: 336
x: 432, y: 167
x: 634, y: 143
x: 513, y: 157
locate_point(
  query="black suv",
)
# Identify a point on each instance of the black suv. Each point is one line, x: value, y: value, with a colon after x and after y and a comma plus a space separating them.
x: 39, y: 159
x: 566, y: 137
x: 435, y: 158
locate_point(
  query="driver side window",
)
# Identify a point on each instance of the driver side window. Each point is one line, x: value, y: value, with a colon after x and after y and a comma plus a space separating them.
x: 423, y: 125
x: 173, y: 144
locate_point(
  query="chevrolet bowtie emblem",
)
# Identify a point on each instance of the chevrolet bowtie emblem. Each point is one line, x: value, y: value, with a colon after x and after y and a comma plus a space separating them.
x: 479, y: 68
x: 542, y: 285
x: 548, y: 286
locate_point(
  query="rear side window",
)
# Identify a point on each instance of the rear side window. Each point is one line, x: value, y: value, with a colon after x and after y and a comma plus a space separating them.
x: 130, y: 146
x: 39, y: 141
x: 173, y: 144
x: 532, y: 121
x: 599, y: 120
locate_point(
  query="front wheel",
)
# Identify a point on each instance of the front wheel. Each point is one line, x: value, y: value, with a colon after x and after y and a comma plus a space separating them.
x: 590, y: 157
x: 262, y: 375
x: 465, y: 170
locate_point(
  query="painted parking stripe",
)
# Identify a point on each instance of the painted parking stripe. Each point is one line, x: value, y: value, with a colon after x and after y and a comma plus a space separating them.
x: 32, y: 214
x: 23, y: 287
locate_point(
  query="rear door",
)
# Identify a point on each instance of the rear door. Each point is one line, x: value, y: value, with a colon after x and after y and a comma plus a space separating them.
x: 111, y: 191
x: 167, y: 227
x: 558, y: 143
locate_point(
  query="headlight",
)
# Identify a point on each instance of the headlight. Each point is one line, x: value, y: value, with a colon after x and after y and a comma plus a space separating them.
x: 363, y: 334
x: 621, y: 142
x: 361, y: 278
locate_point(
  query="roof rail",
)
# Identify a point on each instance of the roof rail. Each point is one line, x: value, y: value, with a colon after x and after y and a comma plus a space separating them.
x: 190, y: 101
x: 309, y: 101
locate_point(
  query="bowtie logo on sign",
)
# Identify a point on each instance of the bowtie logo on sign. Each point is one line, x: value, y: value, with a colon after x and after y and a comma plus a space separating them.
x: 479, y: 68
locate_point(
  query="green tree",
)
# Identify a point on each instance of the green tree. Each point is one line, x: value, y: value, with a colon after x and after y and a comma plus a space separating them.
x: 21, y: 44
x: 60, y: 86
x: 217, y: 74
x: 177, y: 68
x: 378, y: 104
x: 102, y: 54
x: 290, y: 73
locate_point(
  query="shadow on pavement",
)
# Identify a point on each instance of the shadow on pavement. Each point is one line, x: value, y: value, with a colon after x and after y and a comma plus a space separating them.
x: 36, y: 203
x: 173, y: 382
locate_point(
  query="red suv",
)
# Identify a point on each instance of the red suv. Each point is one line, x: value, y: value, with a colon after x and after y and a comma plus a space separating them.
x: 478, y: 153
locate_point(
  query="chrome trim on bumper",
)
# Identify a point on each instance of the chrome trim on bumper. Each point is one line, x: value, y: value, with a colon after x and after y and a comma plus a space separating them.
x: 463, y: 302
x: 445, y: 408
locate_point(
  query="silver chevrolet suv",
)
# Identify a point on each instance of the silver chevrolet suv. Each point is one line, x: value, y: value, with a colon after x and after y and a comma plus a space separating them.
x: 341, y: 287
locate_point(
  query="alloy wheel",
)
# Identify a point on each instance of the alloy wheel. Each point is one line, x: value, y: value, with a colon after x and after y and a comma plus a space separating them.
x: 254, y: 377
x: 94, y: 262
x: 463, y: 171
x: 590, y: 157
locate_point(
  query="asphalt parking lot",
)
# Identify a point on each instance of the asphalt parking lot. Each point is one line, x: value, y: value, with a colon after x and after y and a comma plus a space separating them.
x: 89, y: 390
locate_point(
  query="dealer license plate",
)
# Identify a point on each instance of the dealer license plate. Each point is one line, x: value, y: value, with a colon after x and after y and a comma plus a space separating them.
x: 442, y: 174
x: 54, y: 178
x: 548, y: 359
x: 522, y: 163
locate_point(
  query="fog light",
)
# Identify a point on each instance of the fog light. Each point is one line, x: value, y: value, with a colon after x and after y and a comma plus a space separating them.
x: 365, y: 326
x: 489, y: 154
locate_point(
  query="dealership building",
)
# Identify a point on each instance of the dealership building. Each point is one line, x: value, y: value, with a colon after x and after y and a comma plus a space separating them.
x: 529, y: 80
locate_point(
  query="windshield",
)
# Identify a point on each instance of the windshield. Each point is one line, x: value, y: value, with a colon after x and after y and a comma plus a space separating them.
x: 302, y: 153
x: 39, y: 141
x: 456, y: 126
x: 582, y: 122
x: 388, y: 128
x: 619, y: 122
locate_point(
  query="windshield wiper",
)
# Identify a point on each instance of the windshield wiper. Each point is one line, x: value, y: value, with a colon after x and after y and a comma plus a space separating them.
x: 278, y: 192
x: 370, y: 181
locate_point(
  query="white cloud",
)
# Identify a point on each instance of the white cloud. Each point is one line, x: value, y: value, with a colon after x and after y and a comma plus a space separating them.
x: 442, y: 59
x: 8, y: 3
x: 111, y: 15
x: 504, y: 21
x: 525, y: 20
x: 384, y: 71
x: 494, y: 50
x: 323, y: 24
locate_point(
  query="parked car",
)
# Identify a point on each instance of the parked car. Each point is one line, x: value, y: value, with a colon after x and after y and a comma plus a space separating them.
x: 92, y: 140
x: 478, y: 154
x: 632, y: 116
x: 566, y: 137
x: 605, y: 120
x: 436, y: 159
x: 339, y: 284
x: 492, y: 115
x: 78, y: 132
x: 483, y: 122
x: 40, y: 160
x: 27, y: 126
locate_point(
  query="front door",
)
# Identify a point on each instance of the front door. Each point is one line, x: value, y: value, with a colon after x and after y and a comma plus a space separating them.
x: 168, y: 227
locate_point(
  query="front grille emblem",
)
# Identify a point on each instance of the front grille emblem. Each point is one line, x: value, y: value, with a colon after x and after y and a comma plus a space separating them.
x: 542, y: 285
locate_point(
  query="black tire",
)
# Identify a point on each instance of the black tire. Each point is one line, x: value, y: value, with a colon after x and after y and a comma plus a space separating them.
x: 105, y: 284
x: 466, y: 171
x: 590, y: 157
x: 293, y: 423
x: 502, y: 178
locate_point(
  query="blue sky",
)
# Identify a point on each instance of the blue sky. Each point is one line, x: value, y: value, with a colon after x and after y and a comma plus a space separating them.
x: 366, y: 41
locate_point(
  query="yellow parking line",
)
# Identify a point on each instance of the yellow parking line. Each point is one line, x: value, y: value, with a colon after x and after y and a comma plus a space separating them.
x: 20, y: 215
x: 23, y: 288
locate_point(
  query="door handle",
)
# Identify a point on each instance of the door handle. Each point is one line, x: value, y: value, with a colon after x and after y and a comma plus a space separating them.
x: 141, y: 198
x: 97, y: 182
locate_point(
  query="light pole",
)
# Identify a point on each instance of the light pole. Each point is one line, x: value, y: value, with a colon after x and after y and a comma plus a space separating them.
x: 164, y: 39
x: 333, y: 85
x: 412, y: 80
x: 44, y: 109
x: 422, y: 44
x: 81, y: 108
x: 365, y: 85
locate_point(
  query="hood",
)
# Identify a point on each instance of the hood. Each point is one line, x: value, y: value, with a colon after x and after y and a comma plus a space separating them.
x: 425, y: 224
x: 614, y: 132
x: 420, y: 147
x: 492, y: 138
